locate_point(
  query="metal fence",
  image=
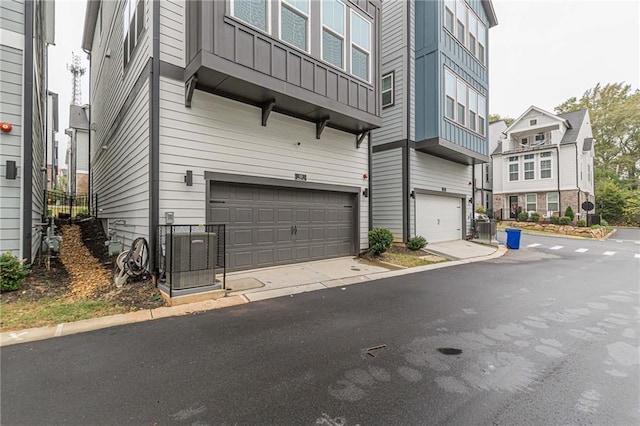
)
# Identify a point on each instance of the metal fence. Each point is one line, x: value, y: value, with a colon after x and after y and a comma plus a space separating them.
x: 66, y: 206
x: 191, y: 258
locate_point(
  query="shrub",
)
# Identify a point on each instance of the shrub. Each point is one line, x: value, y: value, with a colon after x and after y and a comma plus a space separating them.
x: 604, y: 222
x: 380, y: 240
x: 480, y: 209
x: 569, y: 213
x: 523, y: 216
x: 12, y: 272
x: 581, y: 223
x: 596, y: 226
x: 535, y: 217
x: 416, y: 243
x: 554, y: 220
x: 564, y: 220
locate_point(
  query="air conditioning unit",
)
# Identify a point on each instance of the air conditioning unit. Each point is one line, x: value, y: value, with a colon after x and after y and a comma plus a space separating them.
x: 190, y: 260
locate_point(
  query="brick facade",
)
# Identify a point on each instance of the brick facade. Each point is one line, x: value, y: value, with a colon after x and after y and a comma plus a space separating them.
x: 573, y: 198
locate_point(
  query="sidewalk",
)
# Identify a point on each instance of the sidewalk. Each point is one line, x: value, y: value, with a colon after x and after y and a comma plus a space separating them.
x: 267, y: 283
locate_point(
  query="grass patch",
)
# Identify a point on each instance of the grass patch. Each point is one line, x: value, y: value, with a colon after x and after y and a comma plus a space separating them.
x: 406, y: 260
x: 53, y: 310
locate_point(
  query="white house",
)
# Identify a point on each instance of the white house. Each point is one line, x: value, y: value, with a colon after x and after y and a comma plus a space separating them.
x: 544, y: 164
x: 483, y: 173
x: 77, y: 158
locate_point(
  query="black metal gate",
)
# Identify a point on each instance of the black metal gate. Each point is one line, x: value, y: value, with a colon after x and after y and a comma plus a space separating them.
x: 61, y: 205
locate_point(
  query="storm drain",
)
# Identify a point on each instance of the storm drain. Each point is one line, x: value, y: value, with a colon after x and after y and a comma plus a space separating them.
x: 450, y: 351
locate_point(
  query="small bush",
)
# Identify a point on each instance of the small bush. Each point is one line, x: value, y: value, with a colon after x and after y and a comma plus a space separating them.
x: 416, y: 243
x: 554, y: 220
x: 535, y: 217
x: 604, y: 222
x: 596, y: 226
x: 569, y: 213
x: 380, y: 240
x: 565, y: 220
x: 12, y: 272
x: 581, y: 223
x: 523, y: 216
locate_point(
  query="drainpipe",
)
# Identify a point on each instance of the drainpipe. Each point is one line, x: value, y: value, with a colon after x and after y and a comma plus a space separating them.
x: 154, y: 146
x: 407, y: 161
x: 370, y: 168
x: 577, y: 181
x: 558, y: 169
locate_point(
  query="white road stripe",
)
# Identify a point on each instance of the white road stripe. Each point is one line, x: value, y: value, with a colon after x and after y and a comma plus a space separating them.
x: 637, y: 255
x: 609, y: 253
x: 533, y: 245
x: 555, y: 247
x: 582, y: 250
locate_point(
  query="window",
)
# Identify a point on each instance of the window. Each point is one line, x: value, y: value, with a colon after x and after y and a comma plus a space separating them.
x: 532, y: 204
x: 388, y: 89
x: 482, y: 42
x: 545, y: 165
x: 513, y: 168
x: 360, y: 46
x: 473, y: 109
x: 540, y: 138
x: 294, y: 22
x: 461, y: 94
x: 482, y: 114
x: 473, y: 34
x: 450, y: 94
x: 461, y: 19
x: 253, y: 12
x: 533, y: 122
x: 529, y: 167
x: 333, y: 17
x: 552, y: 202
x: 133, y: 20
x: 449, y: 8
x: 487, y: 173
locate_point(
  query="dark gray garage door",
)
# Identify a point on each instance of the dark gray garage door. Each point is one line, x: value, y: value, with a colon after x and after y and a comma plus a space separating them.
x: 269, y: 225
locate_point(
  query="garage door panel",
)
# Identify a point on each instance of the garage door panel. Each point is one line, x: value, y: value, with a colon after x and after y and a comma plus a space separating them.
x: 302, y: 233
x: 219, y: 214
x: 438, y: 218
x: 284, y: 235
x: 303, y: 215
x: 265, y: 193
x: 332, y: 233
x: 241, y: 237
x: 318, y: 251
x: 317, y: 215
x: 241, y: 193
x: 285, y: 215
x: 264, y: 257
x: 302, y: 253
x: 284, y: 255
x: 242, y: 215
x: 317, y: 233
x: 241, y: 259
x: 265, y: 236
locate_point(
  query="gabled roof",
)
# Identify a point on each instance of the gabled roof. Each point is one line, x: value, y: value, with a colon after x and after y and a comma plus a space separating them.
x: 575, y: 119
x: 78, y: 117
x: 540, y: 110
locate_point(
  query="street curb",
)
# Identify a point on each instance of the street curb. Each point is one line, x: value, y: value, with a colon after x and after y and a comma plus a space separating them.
x: 8, y: 338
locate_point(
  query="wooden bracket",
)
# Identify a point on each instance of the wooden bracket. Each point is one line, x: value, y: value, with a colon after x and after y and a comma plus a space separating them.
x: 360, y: 138
x: 266, y: 110
x: 320, y: 125
x: 189, y: 87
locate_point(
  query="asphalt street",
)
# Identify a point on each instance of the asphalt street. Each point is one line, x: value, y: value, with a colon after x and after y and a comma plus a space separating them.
x: 547, y: 334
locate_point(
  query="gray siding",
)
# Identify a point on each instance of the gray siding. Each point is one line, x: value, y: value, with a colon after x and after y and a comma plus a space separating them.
x: 11, y: 147
x: 220, y: 135
x: 12, y: 15
x: 387, y: 191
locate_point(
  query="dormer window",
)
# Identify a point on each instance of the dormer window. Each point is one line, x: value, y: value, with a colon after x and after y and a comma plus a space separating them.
x: 540, y: 138
x: 524, y: 141
x: 533, y: 122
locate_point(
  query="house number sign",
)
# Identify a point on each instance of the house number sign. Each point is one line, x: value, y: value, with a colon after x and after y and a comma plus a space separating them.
x: 300, y: 176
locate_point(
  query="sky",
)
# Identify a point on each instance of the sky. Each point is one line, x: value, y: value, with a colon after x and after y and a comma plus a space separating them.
x: 541, y: 52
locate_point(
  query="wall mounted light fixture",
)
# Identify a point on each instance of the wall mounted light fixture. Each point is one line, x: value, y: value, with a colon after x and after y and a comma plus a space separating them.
x: 188, y: 178
x: 11, y: 170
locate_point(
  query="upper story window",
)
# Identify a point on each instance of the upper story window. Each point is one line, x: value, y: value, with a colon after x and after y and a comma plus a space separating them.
x: 482, y: 43
x: 133, y: 24
x: 360, y: 46
x: 253, y: 12
x: 449, y: 14
x: 388, y: 84
x: 294, y: 23
x: 464, y: 25
x: 529, y: 167
x: 461, y: 21
x: 473, y: 34
x: 513, y: 168
x: 333, y: 26
x: 461, y: 94
x: 482, y: 114
x: 473, y: 110
x: 463, y: 104
x: 545, y: 165
x: 533, y: 122
x: 450, y: 95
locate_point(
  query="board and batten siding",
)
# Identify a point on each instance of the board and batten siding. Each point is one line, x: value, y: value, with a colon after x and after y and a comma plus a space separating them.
x: 11, y: 86
x: 121, y: 172
x: 12, y: 15
x: 387, y: 191
x: 221, y: 135
x: 172, y: 32
x: 433, y: 173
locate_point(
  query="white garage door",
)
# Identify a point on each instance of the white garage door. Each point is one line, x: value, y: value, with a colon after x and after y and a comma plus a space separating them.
x: 438, y: 218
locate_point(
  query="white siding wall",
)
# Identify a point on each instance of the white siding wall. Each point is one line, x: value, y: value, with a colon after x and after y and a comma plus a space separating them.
x: 497, y: 168
x: 82, y: 151
x: 568, y: 168
x: 12, y: 16
x: 521, y: 185
x: 172, y: 32
x: 11, y: 103
x: 433, y: 173
x: 221, y: 135
x: 387, y: 191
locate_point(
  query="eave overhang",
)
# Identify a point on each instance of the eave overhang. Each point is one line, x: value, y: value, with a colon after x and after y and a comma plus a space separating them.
x: 442, y: 148
x: 90, y: 19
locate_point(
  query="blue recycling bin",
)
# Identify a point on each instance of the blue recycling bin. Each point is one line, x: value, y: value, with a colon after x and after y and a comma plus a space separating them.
x: 513, y: 238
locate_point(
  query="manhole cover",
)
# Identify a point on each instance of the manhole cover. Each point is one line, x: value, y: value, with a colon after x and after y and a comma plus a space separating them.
x: 450, y: 351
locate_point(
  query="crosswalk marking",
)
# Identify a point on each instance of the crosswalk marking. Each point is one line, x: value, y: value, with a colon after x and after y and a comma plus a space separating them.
x: 609, y: 253
x: 637, y: 255
x: 533, y: 245
x: 555, y: 247
x: 582, y: 250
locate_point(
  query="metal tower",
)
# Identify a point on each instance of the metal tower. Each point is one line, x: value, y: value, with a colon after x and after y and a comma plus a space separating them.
x: 77, y: 72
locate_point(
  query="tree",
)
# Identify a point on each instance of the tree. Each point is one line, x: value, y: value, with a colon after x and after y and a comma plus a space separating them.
x: 615, y: 119
x: 610, y: 200
x: 496, y: 117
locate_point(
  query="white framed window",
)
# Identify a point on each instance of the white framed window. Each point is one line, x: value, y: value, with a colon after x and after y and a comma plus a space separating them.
x: 461, y: 21
x: 388, y: 89
x: 532, y: 202
x: 545, y: 165
x: 253, y: 12
x: 449, y: 15
x: 333, y: 30
x: 513, y: 168
x: 529, y: 167
x: 539, y: 138
x: 482, y: 114
x: 473, y: 110
x: 473, y: 34
x: 482, y: 43
x: 294, y: 23
x: 450, y: 94
x: 360, y: 46
x: 133, y: 24
x: 487, y: 173
x: 533, y: 122
x: 552, y: 202
x: 461, y: 96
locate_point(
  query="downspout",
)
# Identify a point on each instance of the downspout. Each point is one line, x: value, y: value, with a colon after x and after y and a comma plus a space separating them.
x: 577, y: 181
x: 27, y: 136
x: 370, y: 168
x: 154, y: 153
x: 407, y: 161
x: 558, y: 178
